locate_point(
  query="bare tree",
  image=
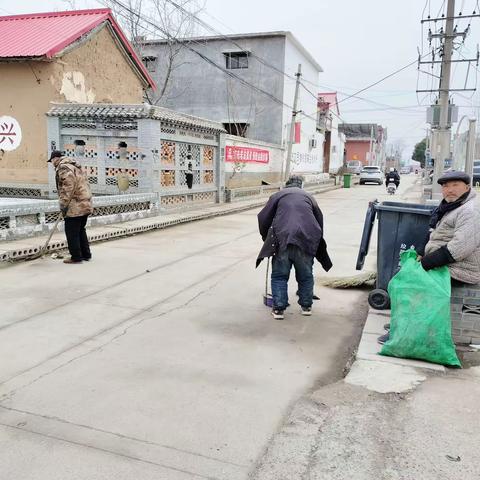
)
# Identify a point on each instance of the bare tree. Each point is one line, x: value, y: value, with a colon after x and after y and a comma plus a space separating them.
x: 72, y: 4
x: 175, y: 23
x: 397, y: 148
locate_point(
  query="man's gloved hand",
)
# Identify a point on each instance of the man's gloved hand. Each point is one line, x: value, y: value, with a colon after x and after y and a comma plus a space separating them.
x: 64, y: 212
x: 438, y: 258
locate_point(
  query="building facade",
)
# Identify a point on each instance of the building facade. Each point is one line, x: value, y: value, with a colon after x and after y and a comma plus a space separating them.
x: 365, y: 142
x: 328, y: 122
x: 76, y: 56
x: 213, y: 78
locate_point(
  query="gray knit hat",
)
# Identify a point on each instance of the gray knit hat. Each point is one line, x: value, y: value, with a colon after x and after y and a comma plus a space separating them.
x: 295, y: 181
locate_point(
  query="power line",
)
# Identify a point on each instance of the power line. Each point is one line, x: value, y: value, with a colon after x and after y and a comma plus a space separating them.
x: 261, y: 60
x: 316, y: 97
x: 354, y: 95
x: 227, y: 38
x: 380, y: 81
x: 264, y: 62
x: 202, y: 56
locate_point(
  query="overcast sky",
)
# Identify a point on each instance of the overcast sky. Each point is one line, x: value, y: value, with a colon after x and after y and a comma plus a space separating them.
x: 357, y: 43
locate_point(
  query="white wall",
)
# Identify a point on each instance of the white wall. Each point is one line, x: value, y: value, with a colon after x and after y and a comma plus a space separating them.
x: 337, y: 145
x: 304, y: 158
x: 245, y: 174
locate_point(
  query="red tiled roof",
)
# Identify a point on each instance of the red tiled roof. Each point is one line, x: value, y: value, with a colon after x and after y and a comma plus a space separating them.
x: 47, y: 34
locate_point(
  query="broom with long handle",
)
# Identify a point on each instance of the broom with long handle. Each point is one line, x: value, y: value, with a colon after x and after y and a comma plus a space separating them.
x: 43, y: 250
x: 267, y: 299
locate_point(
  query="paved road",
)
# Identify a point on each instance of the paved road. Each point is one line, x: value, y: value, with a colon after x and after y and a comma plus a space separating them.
x: 157, y: 360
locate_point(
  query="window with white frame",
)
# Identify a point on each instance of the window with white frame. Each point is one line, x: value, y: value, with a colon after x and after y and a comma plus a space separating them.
x: 236, y: 60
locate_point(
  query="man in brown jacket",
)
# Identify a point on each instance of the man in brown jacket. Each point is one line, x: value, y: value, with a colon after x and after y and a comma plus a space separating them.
x: 75, y: 201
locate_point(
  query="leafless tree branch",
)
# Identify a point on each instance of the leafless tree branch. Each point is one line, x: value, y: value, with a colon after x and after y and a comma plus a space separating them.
x: 175, y: 25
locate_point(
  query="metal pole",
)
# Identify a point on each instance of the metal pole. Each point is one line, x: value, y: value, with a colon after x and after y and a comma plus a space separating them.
x: 456, y: 136
x: 371, y: 145
x: 471, y: 148
x: 292, y: 125
x: 444, y: 129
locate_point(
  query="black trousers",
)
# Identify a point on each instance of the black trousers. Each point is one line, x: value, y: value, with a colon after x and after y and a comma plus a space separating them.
x: 77, y: 239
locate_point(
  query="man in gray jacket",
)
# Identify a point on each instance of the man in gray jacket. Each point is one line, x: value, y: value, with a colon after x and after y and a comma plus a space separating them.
x: 455, y: 230
x: 454, y: 233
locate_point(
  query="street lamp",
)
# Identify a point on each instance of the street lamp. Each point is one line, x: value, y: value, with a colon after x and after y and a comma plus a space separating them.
x: 470, y: 151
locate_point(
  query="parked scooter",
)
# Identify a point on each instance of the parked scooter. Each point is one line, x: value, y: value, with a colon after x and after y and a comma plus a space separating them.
x: 391, y: 187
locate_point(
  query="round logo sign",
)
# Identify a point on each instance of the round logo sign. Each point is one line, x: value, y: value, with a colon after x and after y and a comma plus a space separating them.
x: 10, y: 134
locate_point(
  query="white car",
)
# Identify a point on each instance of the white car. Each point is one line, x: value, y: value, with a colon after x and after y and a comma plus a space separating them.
x: 371, y: 174
x: 354, y: 166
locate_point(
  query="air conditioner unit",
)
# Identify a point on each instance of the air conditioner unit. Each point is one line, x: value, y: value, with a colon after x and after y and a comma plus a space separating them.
x: 313, y: 143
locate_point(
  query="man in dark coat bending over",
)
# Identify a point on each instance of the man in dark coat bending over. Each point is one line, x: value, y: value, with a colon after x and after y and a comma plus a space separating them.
x: 291, y: 225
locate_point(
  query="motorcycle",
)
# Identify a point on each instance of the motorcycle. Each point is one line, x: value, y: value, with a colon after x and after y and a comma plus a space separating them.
x: 391, y: 187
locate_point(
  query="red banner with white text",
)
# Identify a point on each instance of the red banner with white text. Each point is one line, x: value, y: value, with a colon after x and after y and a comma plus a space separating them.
x: 246, y: 154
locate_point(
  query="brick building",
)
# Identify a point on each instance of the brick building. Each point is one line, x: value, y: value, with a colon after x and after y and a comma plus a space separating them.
x: 365, y: 142
x: 77, y: 56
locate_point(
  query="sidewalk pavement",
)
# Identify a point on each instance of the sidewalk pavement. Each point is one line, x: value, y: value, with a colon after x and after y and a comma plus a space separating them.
x: 23, y: 248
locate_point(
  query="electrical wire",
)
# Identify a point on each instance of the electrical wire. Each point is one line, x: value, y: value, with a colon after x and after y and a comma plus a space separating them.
x: 379, y: 81
x: 248, y: 84
x: 207, y: 59
x: 229, y: 39
x: 441, y: 8
x: 421, y: 33
x: 201, y: 55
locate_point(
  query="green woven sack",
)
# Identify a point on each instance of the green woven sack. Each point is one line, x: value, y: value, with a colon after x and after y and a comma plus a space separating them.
x: 420, y: 325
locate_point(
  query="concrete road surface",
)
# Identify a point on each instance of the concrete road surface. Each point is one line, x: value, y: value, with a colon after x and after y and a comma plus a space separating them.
x: 158, y: 360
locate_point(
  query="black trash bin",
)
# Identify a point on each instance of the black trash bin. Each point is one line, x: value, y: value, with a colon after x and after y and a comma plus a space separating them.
x: 400, y: 226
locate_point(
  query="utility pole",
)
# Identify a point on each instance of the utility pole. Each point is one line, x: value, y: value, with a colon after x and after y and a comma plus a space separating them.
x: 470, y: 148
x: 440, y: 137
x: 370, y: 149
x: 443, y: 133
x: 292, y: 125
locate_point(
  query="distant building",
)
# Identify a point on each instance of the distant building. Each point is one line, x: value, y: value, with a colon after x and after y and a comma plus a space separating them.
x: 365, y: 142
x: 198, y: 87
x: 328, y: 123
x: 75, y: 56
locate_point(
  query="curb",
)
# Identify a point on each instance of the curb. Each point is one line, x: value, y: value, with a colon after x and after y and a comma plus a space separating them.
x: 22, y: 249
x: 384, y: 374
x: 369, y: 348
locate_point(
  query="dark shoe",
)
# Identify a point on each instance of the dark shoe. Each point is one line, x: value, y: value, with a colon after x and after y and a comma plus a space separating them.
x: 277, y: 314
x: 87, y: 259
x: 69, y: 260
x: 307, y: 311
x: 386, y: 327
x: 383, y: 338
